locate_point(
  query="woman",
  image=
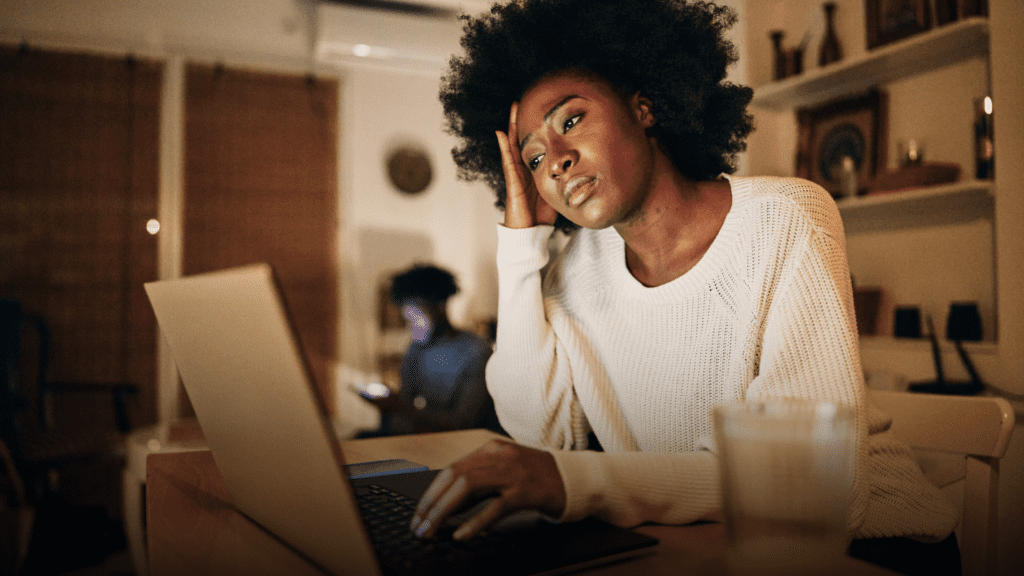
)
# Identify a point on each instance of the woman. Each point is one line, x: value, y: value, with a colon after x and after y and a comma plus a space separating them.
x: 680, y: 287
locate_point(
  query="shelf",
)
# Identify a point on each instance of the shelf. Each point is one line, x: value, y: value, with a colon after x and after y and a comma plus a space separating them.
x: 912, y: 360
x: 890, y: 343
x: 920, y: 53
x: 964, y: 201
x: 945, y: 193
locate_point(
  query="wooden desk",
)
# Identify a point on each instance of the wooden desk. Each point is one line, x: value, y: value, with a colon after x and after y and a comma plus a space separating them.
x: 193, y: 529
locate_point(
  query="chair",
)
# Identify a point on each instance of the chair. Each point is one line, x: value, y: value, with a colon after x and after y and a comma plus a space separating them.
x: 40, y: 447
x: 16, y: 516
x: 37, y: 443
x: 980, y: 429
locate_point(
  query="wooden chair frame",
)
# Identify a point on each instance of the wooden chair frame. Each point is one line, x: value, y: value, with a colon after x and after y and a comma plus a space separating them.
x: 977, y: 427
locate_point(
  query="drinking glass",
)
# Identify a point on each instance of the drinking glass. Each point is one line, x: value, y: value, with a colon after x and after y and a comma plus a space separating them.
x: 787, y: 469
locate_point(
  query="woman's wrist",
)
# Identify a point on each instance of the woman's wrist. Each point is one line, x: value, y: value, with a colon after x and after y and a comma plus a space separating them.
x: 518, y: 219
x: 555, y: 505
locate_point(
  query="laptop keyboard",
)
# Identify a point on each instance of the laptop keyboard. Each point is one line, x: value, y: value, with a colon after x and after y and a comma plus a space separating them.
x: 387, y: 514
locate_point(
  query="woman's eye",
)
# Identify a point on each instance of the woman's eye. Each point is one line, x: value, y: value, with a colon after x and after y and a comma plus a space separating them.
x: 534, y: 162
x: 568, y: 125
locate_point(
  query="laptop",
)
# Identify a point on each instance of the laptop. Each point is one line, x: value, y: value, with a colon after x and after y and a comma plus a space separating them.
x: 269, y: 432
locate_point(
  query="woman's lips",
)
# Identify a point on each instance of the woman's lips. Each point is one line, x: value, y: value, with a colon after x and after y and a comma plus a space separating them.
x: 578, y: 190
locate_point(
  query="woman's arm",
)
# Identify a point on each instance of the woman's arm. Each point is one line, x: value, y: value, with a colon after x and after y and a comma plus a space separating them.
x: 624, y: 488
x: 630, y: 488
x: 810, y: 347
x: 528, y: 375
x: 530, y: 382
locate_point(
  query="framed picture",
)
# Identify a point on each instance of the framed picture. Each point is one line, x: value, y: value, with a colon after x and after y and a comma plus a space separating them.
x: 891, y: 20
x: 856, y: 127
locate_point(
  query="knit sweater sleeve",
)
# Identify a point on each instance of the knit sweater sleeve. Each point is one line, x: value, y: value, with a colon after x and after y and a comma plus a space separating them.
x: 630, y: 488
x: 528, y: 375
x: 810, y: 349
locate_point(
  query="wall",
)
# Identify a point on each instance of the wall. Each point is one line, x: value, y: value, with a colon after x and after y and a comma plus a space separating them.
x: 451, y: 223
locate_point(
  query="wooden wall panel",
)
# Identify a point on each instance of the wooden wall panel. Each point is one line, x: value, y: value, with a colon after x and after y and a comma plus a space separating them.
x: 78, y: 182
x: 261, y: 186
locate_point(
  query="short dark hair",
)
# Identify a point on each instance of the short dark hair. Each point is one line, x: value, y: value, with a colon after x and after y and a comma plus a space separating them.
x: 423, y: 282
x: 672, y: 52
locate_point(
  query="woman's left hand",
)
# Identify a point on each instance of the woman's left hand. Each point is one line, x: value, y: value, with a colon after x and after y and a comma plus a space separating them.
x: 519, y: 478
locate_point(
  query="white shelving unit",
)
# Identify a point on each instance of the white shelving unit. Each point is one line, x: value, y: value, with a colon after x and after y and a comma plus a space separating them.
x: 935, y: 49
x: 918, y: 54
x: 936, y: 206
x: 961, y: 201
x: 952, y: 193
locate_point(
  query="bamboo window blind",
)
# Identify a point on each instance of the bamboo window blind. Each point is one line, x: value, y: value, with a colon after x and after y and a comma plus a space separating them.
x: 260, y: 186
x: 78, y: 182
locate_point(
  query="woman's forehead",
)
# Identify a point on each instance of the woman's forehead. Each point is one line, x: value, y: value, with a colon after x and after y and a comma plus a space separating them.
x: 547, y: 93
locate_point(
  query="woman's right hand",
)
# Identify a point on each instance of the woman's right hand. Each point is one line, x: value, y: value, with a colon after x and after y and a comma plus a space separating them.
x: 515, y: 477
x: 524, y: 207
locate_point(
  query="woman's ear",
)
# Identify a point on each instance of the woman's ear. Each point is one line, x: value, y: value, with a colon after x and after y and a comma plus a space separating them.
x: 643, y: 106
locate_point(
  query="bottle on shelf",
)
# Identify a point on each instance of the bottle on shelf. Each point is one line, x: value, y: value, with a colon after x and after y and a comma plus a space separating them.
x: 984, y: 153
x: 831, y: 50
x: 779, y: 71
x: 787, y: 61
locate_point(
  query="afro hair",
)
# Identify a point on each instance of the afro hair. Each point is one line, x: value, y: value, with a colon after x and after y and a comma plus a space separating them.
x: 422, y: 282
x: 673, y: 52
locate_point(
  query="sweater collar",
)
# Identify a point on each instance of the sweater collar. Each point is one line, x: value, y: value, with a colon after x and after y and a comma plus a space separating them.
x: 613, y: 249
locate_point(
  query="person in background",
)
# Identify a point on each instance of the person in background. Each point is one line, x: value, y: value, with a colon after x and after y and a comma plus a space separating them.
x: 442, y: 371
x: 681, y: 286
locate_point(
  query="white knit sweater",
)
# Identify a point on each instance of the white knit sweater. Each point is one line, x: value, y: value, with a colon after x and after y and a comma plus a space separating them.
x: 768, y: 311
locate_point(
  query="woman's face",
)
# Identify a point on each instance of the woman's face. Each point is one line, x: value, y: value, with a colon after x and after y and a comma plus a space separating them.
x: 586, y: 147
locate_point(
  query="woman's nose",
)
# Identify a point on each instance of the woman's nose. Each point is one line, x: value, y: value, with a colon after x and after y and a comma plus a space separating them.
x: 562, y: 162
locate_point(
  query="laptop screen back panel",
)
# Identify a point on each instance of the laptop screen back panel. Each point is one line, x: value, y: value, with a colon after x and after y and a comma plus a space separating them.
x: 241, y: 368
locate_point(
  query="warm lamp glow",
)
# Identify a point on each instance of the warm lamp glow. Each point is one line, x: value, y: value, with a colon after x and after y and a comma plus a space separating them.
x: 988, y: 105
x: 153, y: 226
